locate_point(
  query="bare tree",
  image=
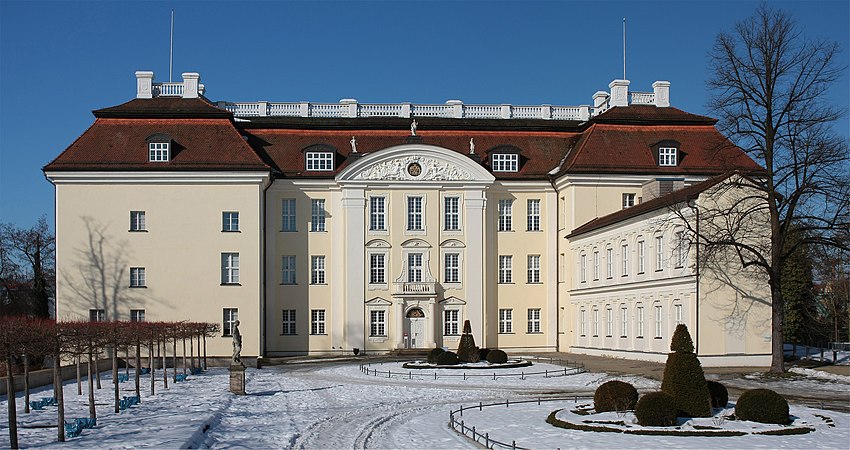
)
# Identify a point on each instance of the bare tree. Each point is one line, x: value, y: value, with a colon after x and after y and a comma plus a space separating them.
x: 770, y: 86
x: 33, y: 248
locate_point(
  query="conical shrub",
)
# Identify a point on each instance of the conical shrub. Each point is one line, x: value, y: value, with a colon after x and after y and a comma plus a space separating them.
x: 466, y: 349
x: 684, y: 379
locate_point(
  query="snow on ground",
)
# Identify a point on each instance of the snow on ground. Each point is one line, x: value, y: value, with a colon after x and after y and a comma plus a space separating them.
x: 335, y: 405
x: 818, y: 354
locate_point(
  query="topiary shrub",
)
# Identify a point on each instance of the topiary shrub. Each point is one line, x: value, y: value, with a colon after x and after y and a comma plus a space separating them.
x: 433, y: 354
x: 684, y: 379
x: 482, y: 354
x: 762, y: 405
x: 466, y: 349
x: 656, y: 409
x: 719, y: 394
x: 497, y: 356
x: 615, y: 396
x: 447, y: 359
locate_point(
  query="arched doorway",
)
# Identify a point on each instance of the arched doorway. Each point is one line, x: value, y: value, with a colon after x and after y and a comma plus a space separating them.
x: 414, y: 328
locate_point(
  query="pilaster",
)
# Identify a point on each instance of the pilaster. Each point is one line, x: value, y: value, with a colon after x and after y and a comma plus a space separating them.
x: 474, y: 204
x: 354, y: 209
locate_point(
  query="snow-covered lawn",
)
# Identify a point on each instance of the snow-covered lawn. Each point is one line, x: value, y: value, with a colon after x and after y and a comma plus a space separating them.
x: 335, y: 405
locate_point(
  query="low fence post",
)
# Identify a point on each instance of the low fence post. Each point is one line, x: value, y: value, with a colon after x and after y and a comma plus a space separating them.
x: 487, y: 440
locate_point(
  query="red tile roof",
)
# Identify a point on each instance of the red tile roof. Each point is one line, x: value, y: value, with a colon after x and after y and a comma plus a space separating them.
x: 163, y: 107
x: 647, y: 114
x: 197, y: 144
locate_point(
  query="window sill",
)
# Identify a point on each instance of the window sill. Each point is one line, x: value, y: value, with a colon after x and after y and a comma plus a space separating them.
x: 534, y: 231
x: 506, y: 231
x: 623, y: 337
x: 230, y: 284
x: 638, y: 337
x: 608, y: 335
x: 658, y: 337
x: 318, y: 284
x: 137, y: 231
x: 230, y: 231
x: 289, y: 334
x: 138, y: 287
x: 226, y: 335
x: 318, y: 334
x: 510, y: 332
x: 288, y: 231
x: 318, y: 231
x: 534, y: 332
x: 507, y: 283
x: 535, y: 282
x: 289, y: 284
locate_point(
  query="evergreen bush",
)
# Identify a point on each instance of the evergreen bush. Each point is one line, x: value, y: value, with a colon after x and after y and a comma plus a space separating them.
x: 684, y: 379
x: 433, y: 354
x: 719, y: 394
x: 497, y: 356
x: 762, y: 405
x: 466, y: 349
x: 482, y: 354
x: 447, y: 359
x: 656, y: 409
x: 615, y: 396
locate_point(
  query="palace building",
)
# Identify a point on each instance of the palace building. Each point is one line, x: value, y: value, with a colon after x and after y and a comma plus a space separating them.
x: 326, y: 228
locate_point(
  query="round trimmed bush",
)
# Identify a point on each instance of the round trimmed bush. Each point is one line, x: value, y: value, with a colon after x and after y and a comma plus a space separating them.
x: 719, y: 394
x: 434, y: 353
x: 656, y: 409
x: 447, y: 359
x: 615, y: 396
x: 497, y: 356
x: 762, y: 405
x: 482, y: 354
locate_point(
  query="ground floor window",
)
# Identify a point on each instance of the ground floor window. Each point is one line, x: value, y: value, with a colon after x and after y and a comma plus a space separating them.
x: 231, y: 315
x: 317, y: 321
x: 677, y: 313
x: 609, y: 321
x: 97, y: 315
x: 624, y: 321
x: 582, y: 326
x: 506, y: 321
x: 658, y: 321
x: 534, y: 320
x: 137, y: 315
x: 640, y: 321
x: 377, y: 323
x: 451, y: 317
x: 288, y: 322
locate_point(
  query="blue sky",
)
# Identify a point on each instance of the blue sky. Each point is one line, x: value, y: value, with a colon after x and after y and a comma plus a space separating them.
x: 61, y: 60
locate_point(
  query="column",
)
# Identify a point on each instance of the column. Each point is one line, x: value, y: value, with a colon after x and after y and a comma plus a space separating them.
x: 354, y: 210
x: 398, y: 314
x: 552, y: 251
x: 430, y: 333
x: 474, y: 267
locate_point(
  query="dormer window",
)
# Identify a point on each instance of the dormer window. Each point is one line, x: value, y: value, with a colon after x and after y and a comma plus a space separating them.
x: 159, y: 152
x: 320, y: 161
x: 668, y: 156
x: 505, y: 162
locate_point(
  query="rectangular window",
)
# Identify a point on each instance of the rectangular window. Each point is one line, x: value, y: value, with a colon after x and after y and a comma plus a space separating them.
x: 505, y: 269
x: 287, y: 214
x: 377, y: 214
x: 320, y: 161
x: 595, y: 322
x: 609, y: 261
x: 595, y: 265
x: 137, y: 315
x: 505, y: 206
x: 377, y: 268
x: 452, y: 268
x: 317, y: 215
x: 158, y: 151
x: 658, y: 321
x: 229, y: 268
x: 137, y: 221
x: 582, y: 326
x: 506, y: 324
x: 451, y: 319
x: 640, y: 321
x: 534, y: 320
x: 583, y: 269
x: 659, y: 253
x: 97, y: 315
x: 505, y: 162
x: 414, y: 267
x: 414, y: 214
x: 533, y: 269
x: 137, y: 277
x: 625, y: 249
x: 451, y: 213
x: 624, y: 321
x: 667, y: 156
x: 228, y: 322
x: 609, y: 321
x: 230, y: 221
x: 287, y: 265
x: 377, y: 323
x: 641, y: 256
x: 534, y: 215
x: 288, y: 322
x: 677, y: 312
x: 317, y: 270
x: 317, y: 321
x: 682, y: 245
x: 628, y: 200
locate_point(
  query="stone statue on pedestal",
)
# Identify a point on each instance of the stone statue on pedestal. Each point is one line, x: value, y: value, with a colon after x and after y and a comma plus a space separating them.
x: 237, y: 344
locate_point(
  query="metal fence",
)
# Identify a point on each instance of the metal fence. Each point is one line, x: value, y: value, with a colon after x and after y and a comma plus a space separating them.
x: 570, y: 368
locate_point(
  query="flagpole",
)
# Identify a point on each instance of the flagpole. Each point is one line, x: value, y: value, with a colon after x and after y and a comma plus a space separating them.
x: 624, y: 48
x: 171, y: 49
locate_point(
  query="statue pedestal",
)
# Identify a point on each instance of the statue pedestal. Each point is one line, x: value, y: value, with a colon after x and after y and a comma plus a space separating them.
x: 237, y: 379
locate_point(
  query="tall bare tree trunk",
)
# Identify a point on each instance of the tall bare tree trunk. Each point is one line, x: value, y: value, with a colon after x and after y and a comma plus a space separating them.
x: 184, y: 356
x: 10, y: 402
x: 174, y: 359
x: 205, y: 351
x: 97, y: 367
x: 153, y: 367
x: 59, y: 395
x: 127, y: 361
x: 115, y: 377
x: 79, y: 375
x: 92, y: 409
x: 192, y: 352
x: 164, y: 364
x: 26, y: 383
x: 138, y: 369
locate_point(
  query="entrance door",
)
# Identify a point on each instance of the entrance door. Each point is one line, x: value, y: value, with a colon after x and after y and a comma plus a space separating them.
x: 415, y: 329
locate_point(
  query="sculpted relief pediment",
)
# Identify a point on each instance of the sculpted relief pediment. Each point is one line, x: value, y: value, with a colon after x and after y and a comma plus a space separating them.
x: 414, y: 168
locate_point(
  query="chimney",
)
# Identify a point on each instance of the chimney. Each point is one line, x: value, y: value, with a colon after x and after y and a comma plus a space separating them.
x: 662, y: 93
x: 144, y: 84
x: 190, y: 84
x: 619, y: 93
x: 599, y: 98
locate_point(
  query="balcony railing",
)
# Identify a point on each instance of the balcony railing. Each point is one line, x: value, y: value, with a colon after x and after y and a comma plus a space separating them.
x: 171, y: 89
x: 415, y: 288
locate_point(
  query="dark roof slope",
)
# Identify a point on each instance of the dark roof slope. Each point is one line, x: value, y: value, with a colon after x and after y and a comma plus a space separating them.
x: 648, y: 114
x: 197, y: 144
x: 673, y: 198
x: 163, y: 107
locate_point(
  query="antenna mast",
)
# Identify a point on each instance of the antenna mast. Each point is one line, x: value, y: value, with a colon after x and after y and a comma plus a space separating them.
x: 171, y: 49
x: 624, y: 48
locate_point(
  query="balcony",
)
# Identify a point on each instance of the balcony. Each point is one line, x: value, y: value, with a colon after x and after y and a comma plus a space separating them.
x: 410, y: 289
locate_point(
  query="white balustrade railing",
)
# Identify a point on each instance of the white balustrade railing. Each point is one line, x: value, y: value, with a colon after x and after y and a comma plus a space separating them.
x: 420, y: 288
x: 168, y: 89
x: 643, y: 98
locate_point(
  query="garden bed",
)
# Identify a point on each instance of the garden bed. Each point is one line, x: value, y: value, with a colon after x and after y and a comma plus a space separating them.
x: 510, y: 364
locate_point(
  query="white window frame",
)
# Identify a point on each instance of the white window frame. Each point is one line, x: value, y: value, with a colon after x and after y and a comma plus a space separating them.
x: 288, y: 215
x: 451, y: 322
x: 583, y: 268
x: 504, y: 162
x: 159, y: 151
x: 678, y: 311
x: 137, y: 221
x: 137, y: 277
x: 506, y: 269
x: 229, y: 268
x: 624, y: 321
x: 595, y: 265
x: 534, y: 321
x: 668, y: 156
x: 416, y: 213
x: 288, y: 269
x: 595, y: 322
x: 533, y: 208
x: 377, y: 323
x: 378, y: 213
x: 320, y: 161
x: 641, y: 257
x: 451, y: 267
x: 229, y: 318
x: 609, y: 321
x: 609, y: 262
x: 582, y: 325
x: 97, y: 315
x: 640, y: 322
x: 451, y: 213
x: 317, y: 270
x: 317, y: 322
x: 533, y: 269
x: 230, y: 221
x: 629, y: 200
x: 682, y: 247
x: 415, y: 267
x: 137, y: 315
x: 378, y: 268
x: 506, y: 323
x: 288, y: 322
x: 659, y: 253
x: 658, y: 323
x: 624, y: 248
x: 317, y: 215
x: 506, y: 214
